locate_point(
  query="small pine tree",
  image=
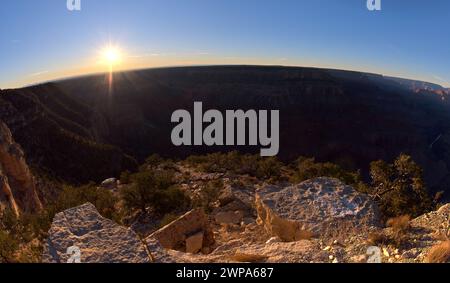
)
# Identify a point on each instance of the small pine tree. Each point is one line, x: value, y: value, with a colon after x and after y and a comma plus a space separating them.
x: 399, y: 187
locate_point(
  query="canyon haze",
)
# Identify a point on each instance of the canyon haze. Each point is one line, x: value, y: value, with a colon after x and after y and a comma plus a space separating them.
x: 89, y: 128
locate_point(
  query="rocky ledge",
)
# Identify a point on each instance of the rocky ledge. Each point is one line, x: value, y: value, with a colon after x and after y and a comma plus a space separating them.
x: 319, y: 220
x: 98, y: 239
x: 321, y: 206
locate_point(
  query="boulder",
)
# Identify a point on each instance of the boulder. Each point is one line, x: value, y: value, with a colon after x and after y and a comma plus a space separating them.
x: 98, y: 239
x: 110, y: 184
x: 174, y: 235
x: 322, y: 206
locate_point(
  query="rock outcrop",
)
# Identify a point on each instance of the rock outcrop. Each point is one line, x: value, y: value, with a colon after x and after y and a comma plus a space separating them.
x: 424, y: 233
x: 323, y: 206
x: 98, y: 239
x: 54, y: 130
x: 438, y: 220
x: 190, y: 232
x: 110, y: 184
x: 17, y: 184
x: 101, y: 240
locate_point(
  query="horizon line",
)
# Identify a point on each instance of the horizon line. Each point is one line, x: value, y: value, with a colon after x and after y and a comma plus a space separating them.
x: 126, y: 70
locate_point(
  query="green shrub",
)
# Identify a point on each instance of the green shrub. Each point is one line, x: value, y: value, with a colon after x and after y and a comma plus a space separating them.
x: 21, y: 231
x: 104, y: 200
x: 9, y: 220
x: 37, y: 225
x: 125, y: 177
x: 308, y: 168
x: 171, y: 199
x: 399, y: 187
x: 8, y: 246
x: 208, y: 194
x: 237, y: 163
x: 269, y: 167
x: 155, y: 189
x: 154, y: 160
x: 213, y: 188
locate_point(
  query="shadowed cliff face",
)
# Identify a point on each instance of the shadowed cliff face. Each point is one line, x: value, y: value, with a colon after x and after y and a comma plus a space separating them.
x: 17, y: 185
x: 346, y: 117
x: 55, y: 132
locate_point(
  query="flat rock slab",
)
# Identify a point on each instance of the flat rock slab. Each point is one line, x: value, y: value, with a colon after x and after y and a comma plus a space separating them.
x: 323, y: 206
x: 174, y: 235
x: 98, y: 239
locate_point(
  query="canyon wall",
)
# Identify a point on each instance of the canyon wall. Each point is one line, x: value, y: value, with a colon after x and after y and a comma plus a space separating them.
x: 17, y: 184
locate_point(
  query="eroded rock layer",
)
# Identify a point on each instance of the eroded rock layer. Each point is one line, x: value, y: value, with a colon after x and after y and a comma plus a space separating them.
x: 321, y: 206
x: 17, y: 184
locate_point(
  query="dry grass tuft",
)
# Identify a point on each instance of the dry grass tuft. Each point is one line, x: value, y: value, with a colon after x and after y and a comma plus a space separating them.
x: 252, y: 258
x: 376, y: 238
x: 439, y: 253
x: 400, y: 227
x: 399, y: 224
x: 304, y: 235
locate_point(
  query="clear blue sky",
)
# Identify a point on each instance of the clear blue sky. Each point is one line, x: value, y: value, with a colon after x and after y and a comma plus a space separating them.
x: 41, y: 40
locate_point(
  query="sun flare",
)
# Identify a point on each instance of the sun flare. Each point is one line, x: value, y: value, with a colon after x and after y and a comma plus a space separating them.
x: 112, y: 56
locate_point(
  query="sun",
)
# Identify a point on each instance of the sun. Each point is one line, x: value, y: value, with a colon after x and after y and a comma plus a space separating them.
x: 112, y: 56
